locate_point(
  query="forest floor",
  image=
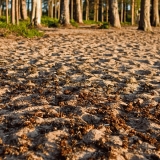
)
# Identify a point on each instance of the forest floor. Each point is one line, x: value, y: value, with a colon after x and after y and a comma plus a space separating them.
x: 81, y: 94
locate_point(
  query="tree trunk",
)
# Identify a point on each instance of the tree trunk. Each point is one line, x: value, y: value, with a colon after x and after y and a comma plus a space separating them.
x: 133, y: 13
x: 87, y: 10
x: 95, y: 9
x: 23, y: 9
x: 36, y: 12
x: 0, y: 8
x: 107, y: 10
x: 71, y: 9
x: 17, y: 12
x: 19, y: 9
x: 48, y: 8
x: 144, y: 23
x: 64, y: 15
x: 102, y: 10
x: 114, y: 15
x: 7, y: 19
x: 155, y: 15
x: 28, y: 8
x: 122, y: 6
x: 59, y: 13
x: 55, y: 9
x: 81, y: 2
x: 124, y: 11
x: 51, y: 9
x: 78, y: 12
x: 13, y: 12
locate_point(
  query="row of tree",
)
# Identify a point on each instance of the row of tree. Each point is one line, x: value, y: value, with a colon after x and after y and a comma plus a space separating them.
x: 113, y: 11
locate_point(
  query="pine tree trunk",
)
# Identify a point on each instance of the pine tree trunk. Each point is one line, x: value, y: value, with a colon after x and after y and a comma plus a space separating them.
x: 17, y: 12
x: 133, y: 13
x: 144, y: 23
x: 59, y: 10
x: 28, y: 5
x: 81, y: 2
x: 0, y: 8
x: 124, y: 11
x: 23, y: 9
x: 102, y: 10
x: 36, y: 12
x: 114, y: 15
x: 39, y: 12
x: 78, y: 12
x: 55, y: 9
x: 155, y: 15
x: 87, y: 10
x: 48, y: 8
x: 64, y: 15
x: 71, y: 9
x: 95, y: 9
x: 122, y: 6
x: 7, y: 18
x: 13, y: 12
x: 51, y: 9
x: 107, y: 10
x: 19, y: 9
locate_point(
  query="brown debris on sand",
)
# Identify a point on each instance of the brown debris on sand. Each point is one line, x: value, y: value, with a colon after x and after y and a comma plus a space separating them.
x: 81, y: 94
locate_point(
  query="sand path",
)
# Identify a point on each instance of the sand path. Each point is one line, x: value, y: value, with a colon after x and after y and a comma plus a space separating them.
x: 80, y: 94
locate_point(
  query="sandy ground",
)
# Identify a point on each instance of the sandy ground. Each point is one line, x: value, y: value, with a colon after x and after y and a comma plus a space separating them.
x: 81, y: 94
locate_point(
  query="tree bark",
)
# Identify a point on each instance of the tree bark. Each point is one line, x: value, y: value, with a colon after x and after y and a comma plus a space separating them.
x: 36, y: 13
x: 155, y: 15
x: 133, y: 13
x: 59, y: 10
x: 122, y: 6
x: 7, y: 18
x: 0, y: 8
x: 114, y: 15
x: 23, y: 9
x: 71, y: 9
x: 55, y: 9
x: 78, y: 12
x: 51, y: 9
x: 144, y: 23
x: 17, y: 12
x: 107, y: 10
x: 102, y: 10
x: 81, y: 2
x: 95, y: 9
x: 13, y: 12
x: 64, y: 15
x: 87, y: 10
x: 124, y: 11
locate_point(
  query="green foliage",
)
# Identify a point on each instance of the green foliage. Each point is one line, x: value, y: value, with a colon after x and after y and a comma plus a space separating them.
x: 73, y: 23
x: 2, y: 19
x: 20, y: 30
x: 105, y: 25
x: 89, y: 22
x: 50, y: 22
x: 129, y: 17
x: 126, y: 23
